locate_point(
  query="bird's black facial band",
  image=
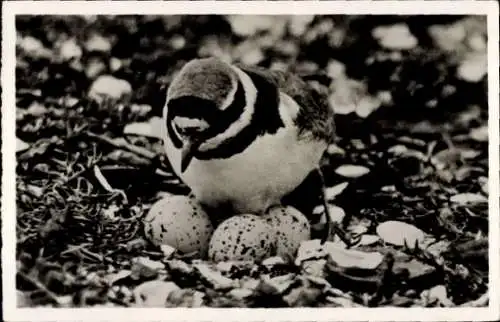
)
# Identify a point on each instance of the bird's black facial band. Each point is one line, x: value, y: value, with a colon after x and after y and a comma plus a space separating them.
x: 190, y: 107
x: 229, y: 115
x: 206, y: 110
x: 193, y: 107
x: 265, y: 119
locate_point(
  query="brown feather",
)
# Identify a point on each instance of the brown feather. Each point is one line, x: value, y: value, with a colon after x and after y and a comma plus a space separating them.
x: 315, y: 115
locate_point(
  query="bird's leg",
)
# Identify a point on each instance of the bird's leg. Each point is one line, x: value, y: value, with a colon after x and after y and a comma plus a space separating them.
x: 333, y: 228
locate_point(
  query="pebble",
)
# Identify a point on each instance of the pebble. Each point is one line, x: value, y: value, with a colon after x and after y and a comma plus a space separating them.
x: 70, y: 50
x: 109, y: 87
x: 98, y: 43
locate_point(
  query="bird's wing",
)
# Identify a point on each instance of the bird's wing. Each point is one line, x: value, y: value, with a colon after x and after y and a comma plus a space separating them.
x: 315, y: 115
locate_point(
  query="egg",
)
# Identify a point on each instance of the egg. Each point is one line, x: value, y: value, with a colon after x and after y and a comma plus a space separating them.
x: 242, y: 238
x: 179, y: 222
x: 291, y: 227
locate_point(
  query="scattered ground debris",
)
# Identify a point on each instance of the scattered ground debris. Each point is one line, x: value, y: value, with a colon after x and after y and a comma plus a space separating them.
x: 407, y: 176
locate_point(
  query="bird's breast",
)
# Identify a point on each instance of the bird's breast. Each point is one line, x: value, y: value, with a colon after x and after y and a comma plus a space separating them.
x: 256, y: 178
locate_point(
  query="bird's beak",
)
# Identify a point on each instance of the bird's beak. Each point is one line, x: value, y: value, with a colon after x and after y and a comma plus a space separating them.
x: 188, y: 150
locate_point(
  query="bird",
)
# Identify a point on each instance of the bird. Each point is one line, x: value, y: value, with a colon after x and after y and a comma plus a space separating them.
x: 243, y: 137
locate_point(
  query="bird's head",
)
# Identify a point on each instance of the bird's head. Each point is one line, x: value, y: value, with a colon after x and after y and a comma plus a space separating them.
x: 201, y: 104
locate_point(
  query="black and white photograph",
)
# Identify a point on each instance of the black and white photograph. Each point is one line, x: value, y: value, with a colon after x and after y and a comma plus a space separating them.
x: 253, y: 155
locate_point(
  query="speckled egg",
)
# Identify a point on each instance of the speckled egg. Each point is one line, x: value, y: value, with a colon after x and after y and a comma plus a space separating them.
x: 291, y: 227
x: 180, y: 222
x: 241, y: 238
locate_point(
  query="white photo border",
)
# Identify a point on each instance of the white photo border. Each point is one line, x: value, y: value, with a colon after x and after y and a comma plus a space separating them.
x: 13, y: 8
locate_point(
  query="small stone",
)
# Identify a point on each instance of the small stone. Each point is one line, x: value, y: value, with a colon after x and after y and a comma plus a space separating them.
x: 367, y: 105
x: 240, y: 293
x: 108, y: 87
x: 473, y: 69
x: 95, y: 67
x: 400, y: 233
x: 396, y: 37
x: 298, y: 24
x: 250, y: 25
x: 21, y: 145
x: 70, y: 50
x: 98, y: 43
x: 398, y: 149
x: 179, y: 266
x: 335, y: 69
x: 280, y: 283
x: 145, y: 267
x: 177, y: 42
x: 249, y: 283
x: 252, y: 57
x: 272, y: 261
x: 477, y: 42
x: 343, y: 302
x: 115, y: 64
x: 385, y: 97
x: 154, y: 293
x: 310, y: 249
x: 34, y: 48
x: 314, y: 268
x: 185, y: 298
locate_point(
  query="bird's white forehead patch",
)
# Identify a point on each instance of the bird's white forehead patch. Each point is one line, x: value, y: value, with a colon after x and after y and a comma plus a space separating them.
x: 187, y: 122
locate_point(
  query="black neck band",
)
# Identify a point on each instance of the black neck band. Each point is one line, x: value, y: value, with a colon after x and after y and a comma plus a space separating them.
x: 265, y: 119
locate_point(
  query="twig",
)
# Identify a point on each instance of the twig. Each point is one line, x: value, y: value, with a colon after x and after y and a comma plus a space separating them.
x: 105, y: 184
x: 40, y: 286
x: 122, y: 144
